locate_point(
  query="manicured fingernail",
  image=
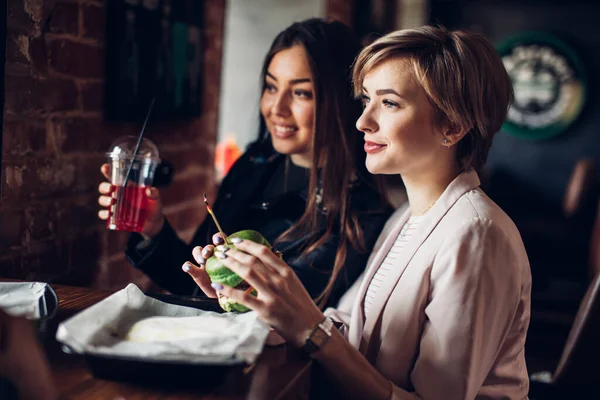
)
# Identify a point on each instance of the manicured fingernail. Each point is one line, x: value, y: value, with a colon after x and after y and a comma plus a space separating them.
x: 237, y: 240
x: 220, y: 255
x: 186, y: 267
x: 205, y: 253
x: 217, y: 286
x: 219, y: 239
x: 222, y: 248
x: 202, y: 260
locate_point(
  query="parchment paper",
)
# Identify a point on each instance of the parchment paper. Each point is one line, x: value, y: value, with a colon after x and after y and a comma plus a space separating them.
x: 102, y: 329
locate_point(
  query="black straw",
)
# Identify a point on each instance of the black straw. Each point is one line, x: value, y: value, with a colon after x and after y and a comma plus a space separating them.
x: 135, y: 151
x: 139, y: 142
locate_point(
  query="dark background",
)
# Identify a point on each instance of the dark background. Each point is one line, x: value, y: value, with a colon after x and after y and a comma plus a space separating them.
x: 163, y: 63
x: 2, y: 63
x: 540, y: 169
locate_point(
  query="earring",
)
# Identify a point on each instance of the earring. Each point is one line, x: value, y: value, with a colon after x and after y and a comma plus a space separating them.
x: 445, y: 142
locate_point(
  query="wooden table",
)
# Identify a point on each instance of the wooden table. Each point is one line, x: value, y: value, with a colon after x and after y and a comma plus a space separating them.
x: 279, y: 373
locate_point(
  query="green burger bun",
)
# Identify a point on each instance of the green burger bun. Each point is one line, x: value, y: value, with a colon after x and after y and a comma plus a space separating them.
x: 229, y: 305
x: 218, y: 273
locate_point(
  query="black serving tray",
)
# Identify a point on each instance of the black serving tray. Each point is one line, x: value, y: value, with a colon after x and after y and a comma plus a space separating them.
x: 201, y: 303
x: 159, y: 373
x: 164, y: 374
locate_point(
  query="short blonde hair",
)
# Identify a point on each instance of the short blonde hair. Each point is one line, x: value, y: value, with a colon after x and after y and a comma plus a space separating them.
x: 462, y: 74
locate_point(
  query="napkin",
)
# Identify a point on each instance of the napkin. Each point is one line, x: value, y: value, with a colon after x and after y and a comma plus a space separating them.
x: 22, y: 299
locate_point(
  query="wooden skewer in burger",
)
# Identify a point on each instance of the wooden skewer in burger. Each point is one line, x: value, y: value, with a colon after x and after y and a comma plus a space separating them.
x: 218, y: 273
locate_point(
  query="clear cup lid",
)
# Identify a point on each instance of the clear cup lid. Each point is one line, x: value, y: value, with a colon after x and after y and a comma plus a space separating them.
x: 124, y: 147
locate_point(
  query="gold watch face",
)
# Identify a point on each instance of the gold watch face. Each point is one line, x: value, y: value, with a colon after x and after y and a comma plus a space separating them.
x: 319, y: 337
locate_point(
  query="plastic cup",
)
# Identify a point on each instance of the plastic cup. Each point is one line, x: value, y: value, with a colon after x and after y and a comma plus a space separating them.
x: 130, y: 209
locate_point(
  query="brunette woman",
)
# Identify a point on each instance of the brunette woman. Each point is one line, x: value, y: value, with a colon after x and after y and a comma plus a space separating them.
x: 303, y: 184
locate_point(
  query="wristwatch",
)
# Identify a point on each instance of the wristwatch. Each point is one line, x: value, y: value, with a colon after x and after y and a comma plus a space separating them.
x: 318, y: 336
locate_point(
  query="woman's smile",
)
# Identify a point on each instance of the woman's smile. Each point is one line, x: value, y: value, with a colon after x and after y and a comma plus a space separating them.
x: 282, y: 131
x: 372, y: 147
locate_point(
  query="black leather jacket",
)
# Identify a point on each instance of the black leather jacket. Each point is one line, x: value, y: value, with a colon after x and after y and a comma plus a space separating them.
x: 240, y: 205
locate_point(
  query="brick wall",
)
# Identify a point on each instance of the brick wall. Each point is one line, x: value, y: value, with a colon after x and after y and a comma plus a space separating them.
x: 55, y: 137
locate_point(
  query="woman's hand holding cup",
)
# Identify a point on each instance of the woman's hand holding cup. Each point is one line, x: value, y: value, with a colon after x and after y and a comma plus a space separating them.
x: 155, y: 218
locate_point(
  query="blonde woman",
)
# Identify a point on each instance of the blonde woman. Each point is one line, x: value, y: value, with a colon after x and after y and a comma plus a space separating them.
x: 443, y: 309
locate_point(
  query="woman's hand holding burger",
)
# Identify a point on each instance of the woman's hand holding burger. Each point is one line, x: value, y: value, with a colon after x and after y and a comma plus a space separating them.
x: 282, y: 300
x: 198, y: 272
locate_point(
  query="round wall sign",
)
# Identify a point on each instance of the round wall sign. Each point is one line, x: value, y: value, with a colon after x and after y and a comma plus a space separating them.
x: 549, y: 83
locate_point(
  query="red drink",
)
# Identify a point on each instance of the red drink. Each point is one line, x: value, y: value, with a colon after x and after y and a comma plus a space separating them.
x: 132, y: 165
x: 129, y: 212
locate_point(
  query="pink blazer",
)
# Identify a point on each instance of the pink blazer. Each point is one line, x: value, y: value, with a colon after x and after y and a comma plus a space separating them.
x: 450, y: 321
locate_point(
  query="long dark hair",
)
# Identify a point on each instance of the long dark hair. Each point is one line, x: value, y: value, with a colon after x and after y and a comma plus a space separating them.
x: 338, y: 155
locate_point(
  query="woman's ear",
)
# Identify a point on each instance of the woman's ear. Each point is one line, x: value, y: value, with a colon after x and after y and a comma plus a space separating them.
x: 453, y: 133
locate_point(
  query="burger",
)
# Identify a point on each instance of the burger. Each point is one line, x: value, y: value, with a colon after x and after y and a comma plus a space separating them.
x: 219, y: 273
